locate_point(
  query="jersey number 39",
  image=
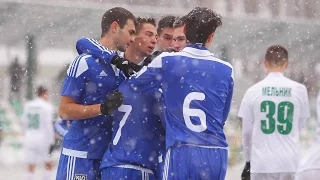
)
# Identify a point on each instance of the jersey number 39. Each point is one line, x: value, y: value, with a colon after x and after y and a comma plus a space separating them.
x: 284, y: 117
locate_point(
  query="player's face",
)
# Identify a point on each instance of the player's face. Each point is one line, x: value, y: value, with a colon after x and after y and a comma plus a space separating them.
x: 179, y: 39
x: 165, y: 39
x: 125, y: 35
x: 46, y: 96
x: 146, y: 39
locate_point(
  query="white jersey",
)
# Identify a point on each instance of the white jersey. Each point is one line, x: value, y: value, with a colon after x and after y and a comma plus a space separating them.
x: 37, y: 121
x: 277, y: 108
x: 311, y: 160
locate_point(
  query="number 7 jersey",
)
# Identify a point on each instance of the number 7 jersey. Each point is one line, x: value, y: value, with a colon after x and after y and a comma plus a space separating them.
x: 274, y: 110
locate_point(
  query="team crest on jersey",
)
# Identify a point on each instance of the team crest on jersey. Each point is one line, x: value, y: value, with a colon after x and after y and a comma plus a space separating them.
x: 80, y: 177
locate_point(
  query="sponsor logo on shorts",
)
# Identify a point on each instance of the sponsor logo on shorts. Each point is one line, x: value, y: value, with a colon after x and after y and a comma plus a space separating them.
x: 80, y: 177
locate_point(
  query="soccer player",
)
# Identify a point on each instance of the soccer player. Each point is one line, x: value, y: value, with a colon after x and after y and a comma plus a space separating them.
x: 165, y: 33
x: 84, y: 99
x: 197, y: 92
x: 273, y: 112
x: 309, y: 167
x: 37, y: 121
x: 179, y: 37
x: 138, y: 135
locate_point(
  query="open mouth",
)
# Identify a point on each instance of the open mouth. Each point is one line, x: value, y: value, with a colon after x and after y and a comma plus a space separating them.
x: 151, y: 48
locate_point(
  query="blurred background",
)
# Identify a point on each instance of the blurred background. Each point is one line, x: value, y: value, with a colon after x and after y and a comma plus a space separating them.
x: 37, y: 42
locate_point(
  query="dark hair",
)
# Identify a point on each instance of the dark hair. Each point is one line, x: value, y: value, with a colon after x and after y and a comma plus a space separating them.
x: 141, y: 21
x: 117, y: 14
x: 180, y: 22
x: 41, y: 90
x: 277, y: 55
x: 200, y: 23
x: 165, y: 22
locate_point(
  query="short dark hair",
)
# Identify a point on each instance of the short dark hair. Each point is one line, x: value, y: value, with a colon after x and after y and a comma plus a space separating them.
x: 200, y: 23
x: 41, y: 90
x: 165, y: 22
x: 144, y: 20
x: 277, y: 55
x: 180, y: 22
x: 118, y: 14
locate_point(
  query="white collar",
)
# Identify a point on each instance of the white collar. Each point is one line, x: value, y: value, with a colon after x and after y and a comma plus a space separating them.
x: 197, y: 52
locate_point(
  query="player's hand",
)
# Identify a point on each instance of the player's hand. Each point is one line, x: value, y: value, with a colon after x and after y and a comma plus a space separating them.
x: 246, y: 172
x: 114, y: 100
x: 51, y: 148
x: 127, y: 67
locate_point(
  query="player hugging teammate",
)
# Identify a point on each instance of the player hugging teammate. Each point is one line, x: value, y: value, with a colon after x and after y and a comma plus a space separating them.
x: 152, y: 125
x: 137, y: 113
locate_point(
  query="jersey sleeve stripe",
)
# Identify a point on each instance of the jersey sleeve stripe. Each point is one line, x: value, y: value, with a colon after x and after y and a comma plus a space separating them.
x: 76, y: 67
x: 99, y: 46
x: 70, y: 70
x: 82, y: 66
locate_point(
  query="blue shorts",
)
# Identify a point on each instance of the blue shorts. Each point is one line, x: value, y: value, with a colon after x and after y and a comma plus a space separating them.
x: 122, y: 173
x: 193, y: 162
x: 159, y: 170
x: 73, y: 168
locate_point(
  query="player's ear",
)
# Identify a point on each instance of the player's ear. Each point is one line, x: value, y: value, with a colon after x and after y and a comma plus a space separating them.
x: 286, y: 64
x: 266, y: 64
x: 114, y: 26
x: 210, y: 38
x: 184, y: 28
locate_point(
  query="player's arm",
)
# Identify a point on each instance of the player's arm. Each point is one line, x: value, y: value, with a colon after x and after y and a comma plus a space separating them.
x: 94, y: 48
x: 74, y: 87
x: 246, y: 138
x: 49, y: 123
x: 305, y: 108
x: 246, y: 116
x: 148, y: 78
x: 318, y: 107
x: 24, y: 120
x: 227, y: 106
x: 70, y: 110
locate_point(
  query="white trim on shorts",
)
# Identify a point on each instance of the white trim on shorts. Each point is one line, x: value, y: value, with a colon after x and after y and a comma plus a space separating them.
x: 166, y: 165
x: 144, y: 171
x: 75, y: 153
x: 210, y: 147
x: 70, y: 167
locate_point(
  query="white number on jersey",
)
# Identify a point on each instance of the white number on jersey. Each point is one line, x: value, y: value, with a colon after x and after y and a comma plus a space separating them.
x: 126, y: 109
x: 187, y: 112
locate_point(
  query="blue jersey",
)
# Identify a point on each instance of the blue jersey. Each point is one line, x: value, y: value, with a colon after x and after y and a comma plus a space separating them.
x: 138, y: 135
x: 89, y: 80
x: 197, y: 91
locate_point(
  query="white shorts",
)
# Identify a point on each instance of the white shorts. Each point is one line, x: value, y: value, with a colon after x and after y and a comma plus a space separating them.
x: 272, y: 176
x: 37, y: 153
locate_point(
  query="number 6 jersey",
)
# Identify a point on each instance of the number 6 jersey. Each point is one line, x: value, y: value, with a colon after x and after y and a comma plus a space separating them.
x: 273, y: 112
x: 197, y: 92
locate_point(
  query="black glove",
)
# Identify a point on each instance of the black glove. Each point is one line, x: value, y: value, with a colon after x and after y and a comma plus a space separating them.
x: 51, y: 148
x: 114, y: 100
x: 127, y: 67
x: 246, y: 172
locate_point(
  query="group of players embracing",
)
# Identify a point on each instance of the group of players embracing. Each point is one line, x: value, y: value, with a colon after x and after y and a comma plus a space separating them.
x: 138, y: 113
